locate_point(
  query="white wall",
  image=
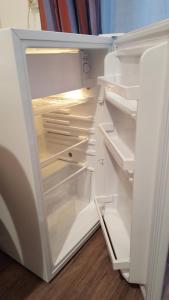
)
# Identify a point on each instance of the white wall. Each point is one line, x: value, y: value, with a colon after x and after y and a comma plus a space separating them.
x: 14, y: 13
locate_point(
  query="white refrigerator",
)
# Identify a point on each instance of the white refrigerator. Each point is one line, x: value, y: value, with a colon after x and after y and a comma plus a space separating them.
x: 84, y: 141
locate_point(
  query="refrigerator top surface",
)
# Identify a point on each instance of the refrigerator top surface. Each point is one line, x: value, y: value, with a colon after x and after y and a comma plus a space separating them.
x: 85, y: 41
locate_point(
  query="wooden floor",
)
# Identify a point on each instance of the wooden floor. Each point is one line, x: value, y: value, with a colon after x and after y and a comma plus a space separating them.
x: 89, y: 275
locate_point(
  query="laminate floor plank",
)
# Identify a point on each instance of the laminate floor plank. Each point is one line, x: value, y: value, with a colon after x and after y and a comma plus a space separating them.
x: 88, y: 276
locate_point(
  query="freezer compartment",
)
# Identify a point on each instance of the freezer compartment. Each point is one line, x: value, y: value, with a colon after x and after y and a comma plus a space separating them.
x: 117, y: 148
x: 56, y: 72
x: 115, y: 233
x: 69, y: 213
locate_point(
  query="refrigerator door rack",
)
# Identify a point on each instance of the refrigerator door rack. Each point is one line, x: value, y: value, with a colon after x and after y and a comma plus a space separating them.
x: 116, y: 236
x: 129, y: 92
x: 128, y: 107
x: 118, y: 149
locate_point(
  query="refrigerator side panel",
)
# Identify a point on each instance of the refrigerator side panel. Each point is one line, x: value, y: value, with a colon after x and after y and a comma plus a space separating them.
x: 20, y: 235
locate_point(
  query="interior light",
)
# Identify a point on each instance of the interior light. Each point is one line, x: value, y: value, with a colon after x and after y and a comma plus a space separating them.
x: 51, y: 50
x: 75, y: 94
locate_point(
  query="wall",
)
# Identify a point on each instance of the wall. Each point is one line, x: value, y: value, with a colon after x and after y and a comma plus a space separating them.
x: 14, y: 13
x: 126, y: 15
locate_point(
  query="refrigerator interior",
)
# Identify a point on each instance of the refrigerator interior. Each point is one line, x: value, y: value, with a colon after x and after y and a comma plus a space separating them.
x: 86, y: 129
x: 64, y: 106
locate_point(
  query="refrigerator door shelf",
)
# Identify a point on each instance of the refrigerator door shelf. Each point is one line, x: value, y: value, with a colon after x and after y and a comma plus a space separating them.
x: 128, y: 107
x: 115, y: 233
x: 129, y: 92
x: 118, y: 149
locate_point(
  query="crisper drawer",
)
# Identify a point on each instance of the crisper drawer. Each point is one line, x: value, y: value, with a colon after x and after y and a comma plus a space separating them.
x: 57, y: 172
x: 73, y: 184
x: 70, y: 213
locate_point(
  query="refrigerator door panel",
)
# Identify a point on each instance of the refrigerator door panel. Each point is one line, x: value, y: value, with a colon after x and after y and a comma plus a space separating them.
x: 134, y: 97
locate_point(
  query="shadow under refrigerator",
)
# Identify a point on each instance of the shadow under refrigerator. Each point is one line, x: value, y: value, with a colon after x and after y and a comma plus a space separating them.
x: 83, y: 129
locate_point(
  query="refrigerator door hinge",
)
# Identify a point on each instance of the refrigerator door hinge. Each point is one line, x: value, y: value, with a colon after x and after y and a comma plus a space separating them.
x: 114, y: 37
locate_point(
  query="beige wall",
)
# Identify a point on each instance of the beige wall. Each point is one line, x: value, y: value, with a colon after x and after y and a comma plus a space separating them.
x: 14, y: 13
